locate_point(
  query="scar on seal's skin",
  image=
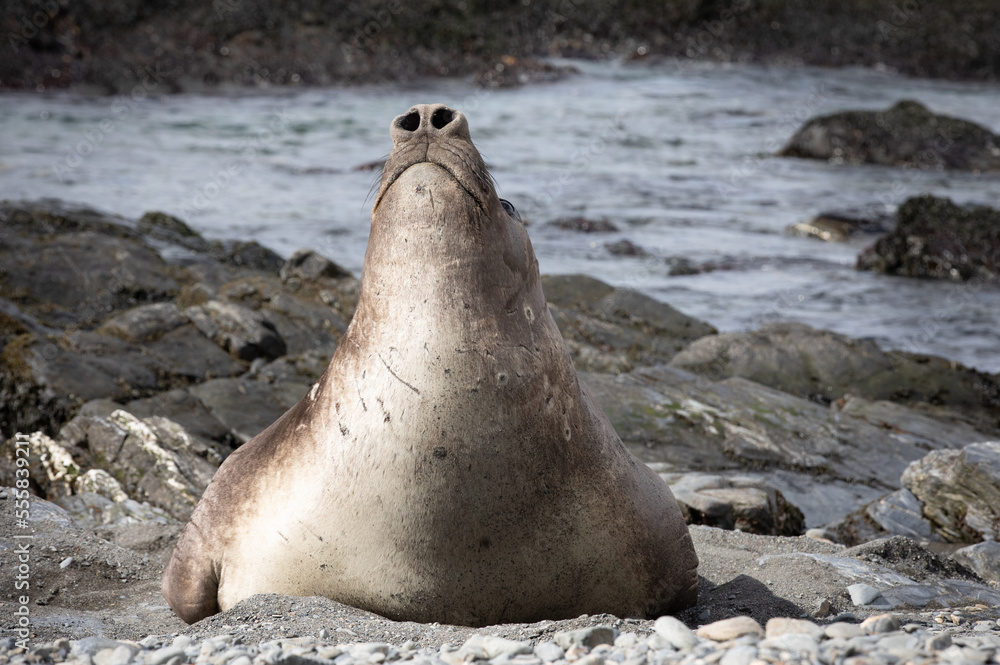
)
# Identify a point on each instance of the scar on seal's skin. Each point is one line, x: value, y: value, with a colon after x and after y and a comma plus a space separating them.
x: 411, y: 387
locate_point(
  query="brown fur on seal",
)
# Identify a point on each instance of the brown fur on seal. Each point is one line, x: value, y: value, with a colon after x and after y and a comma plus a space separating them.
x: 449, y: 465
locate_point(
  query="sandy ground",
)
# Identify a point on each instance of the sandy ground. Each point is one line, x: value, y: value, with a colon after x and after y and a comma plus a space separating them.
x: 107, y: 583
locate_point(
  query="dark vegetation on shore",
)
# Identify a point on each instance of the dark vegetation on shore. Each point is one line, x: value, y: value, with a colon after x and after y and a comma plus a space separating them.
x: 171, y: 45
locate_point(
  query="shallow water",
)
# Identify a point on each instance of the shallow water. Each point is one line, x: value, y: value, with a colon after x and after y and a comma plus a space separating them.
x: 677, y: 156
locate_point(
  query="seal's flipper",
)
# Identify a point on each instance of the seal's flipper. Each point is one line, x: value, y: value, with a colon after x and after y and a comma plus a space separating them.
x: 190, y: 581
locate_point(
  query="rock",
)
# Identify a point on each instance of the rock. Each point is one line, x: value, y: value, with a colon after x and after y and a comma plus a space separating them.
x: 934, y: 238
x: 785, y: 626
x: 250, y: 255
x: 907, y: 134
x: 489, y: 646
x: 825, y: 367
x: 842, y: 226
x: 512, y: 71
x: 960, y: 491
x: 586, y: 637
x: 189, y: 412
x: 146, y: 323
x: 549, y: 651
x: 99, y: 481
x: 675, y: 632
x: 584, y: 225
x: 863, y: 594
x: 610, y: 329
x: 310, y: 265
x: 730, y: 629
x: 982, y: 558
x: 824, y: 462
x: 842, y: 630
x: 167, y: 335
x: 742, y: 502
x: 245, y: 406
x: 900, y: 513
x: 154, y: 221
x: 243, y: 332
x: 77, y: 265
x: 881, y: 623
x: 625, y: 247
x: 153, y: 460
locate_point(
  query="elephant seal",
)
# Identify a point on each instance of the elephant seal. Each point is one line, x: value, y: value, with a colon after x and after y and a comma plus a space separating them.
x: 449, y: 465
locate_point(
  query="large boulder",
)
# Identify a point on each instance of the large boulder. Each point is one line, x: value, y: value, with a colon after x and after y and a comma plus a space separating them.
x: 612, y: 329
x: 908, y: 134
x: 824, y: 366
x: 960, y: 491
x: 826, y: 460
x: 937, y: 239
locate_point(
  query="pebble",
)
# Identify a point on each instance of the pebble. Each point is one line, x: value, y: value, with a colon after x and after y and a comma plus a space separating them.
x: 879, y: 640
x: 549, y: 651
x: 730, y: 629
x: 675, y: 633
x: 783, y: 626
x: 863, y: 594
x: 586, y: 637
x: 880, y: 623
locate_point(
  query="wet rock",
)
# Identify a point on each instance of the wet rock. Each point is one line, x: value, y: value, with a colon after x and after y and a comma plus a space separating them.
x: 153, y: 221
x: 741, y: 502
x: 584, y: 225
x: 842, y: 226
x: 908, y: 134
x: 824, y: 462
x: 982, y: 558
x: 183, y: 408
x: 310, y: 265
x: 960, y: 491
x: 243, y: 332
x: 166, y: 334
x: 625, y: 247
x: 825, y: 366
x: 934, y: 238
x: 251, y: 255
x: 305, y: 320
x: 511, y: 71
x: 611, y: 329
x: 75, y: 265
x: 246, y: 407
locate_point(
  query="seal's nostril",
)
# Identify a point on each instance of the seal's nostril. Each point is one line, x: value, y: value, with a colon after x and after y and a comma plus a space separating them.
x: 442, y: 117
x: 410, y: 122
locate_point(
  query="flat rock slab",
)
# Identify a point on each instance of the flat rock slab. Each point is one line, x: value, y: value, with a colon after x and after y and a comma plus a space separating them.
x: 826, y: 461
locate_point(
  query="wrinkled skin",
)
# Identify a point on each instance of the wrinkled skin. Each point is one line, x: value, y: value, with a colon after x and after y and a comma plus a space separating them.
x: 449, y: 465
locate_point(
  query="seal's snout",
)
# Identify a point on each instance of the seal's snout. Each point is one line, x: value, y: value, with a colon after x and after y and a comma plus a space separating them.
x: 429, y: 121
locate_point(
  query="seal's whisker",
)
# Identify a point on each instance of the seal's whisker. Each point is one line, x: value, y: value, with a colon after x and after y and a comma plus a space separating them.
x: 376, y: 179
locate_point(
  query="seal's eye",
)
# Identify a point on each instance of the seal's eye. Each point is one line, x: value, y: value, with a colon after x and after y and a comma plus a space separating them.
x: 510, y: 209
